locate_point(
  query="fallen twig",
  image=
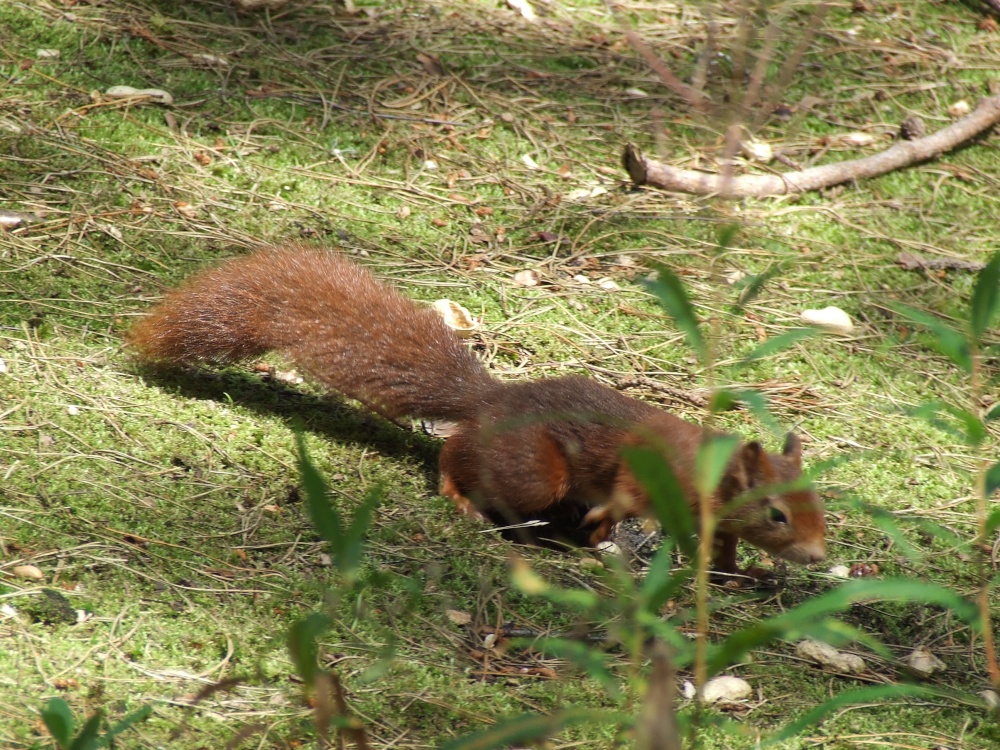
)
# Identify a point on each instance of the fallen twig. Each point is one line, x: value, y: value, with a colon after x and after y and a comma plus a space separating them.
x: 904, y: 153
x: 911, y: 262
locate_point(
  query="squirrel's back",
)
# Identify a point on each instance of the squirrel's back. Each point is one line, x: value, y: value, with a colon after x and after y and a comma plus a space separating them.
x: 333, y: 318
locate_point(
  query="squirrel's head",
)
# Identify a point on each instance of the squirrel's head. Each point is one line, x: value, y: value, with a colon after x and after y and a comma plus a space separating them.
x: 787, y: 522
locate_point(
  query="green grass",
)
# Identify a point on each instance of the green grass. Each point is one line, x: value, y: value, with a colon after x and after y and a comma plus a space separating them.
x: 165, y: 506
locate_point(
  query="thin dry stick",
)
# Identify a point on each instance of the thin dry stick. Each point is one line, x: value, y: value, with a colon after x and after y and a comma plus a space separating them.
x: 645, y: 171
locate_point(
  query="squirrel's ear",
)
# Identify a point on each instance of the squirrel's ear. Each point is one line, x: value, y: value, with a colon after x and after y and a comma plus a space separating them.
x: 750, y: 458
x: 793, y: 448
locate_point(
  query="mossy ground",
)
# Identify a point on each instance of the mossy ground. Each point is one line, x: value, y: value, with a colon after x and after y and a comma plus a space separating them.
x: 164, y: 505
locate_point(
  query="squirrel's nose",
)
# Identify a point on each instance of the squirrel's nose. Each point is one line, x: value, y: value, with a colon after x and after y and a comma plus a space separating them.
x: 814, y: 551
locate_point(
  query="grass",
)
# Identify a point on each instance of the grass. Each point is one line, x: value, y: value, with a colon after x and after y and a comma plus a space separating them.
x: 164, y: 505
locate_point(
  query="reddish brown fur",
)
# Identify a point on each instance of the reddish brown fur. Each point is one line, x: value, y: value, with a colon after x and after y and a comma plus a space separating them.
x: 519, y: 449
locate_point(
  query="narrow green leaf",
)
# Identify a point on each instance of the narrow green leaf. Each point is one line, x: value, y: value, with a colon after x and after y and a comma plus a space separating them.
x: 993, y: 413
x: 856, y: 696
x: 666, y: 495
x: 349, y: 556
x: 58, y: 719
x: 302, y: 645
x: 778, y: 343
x: 975, y: 429
x: 324, y: 516
x: 947, y: 340
x: 992, y: 522
x: 661, y: 583
x: 985, y: 297
x: 591, y: 660
x: 888, y: 523
x: 711, y: 461
x: 798, y: 621
x: 135, y: 717
x: 992, y: 480
x: 87, y: 738
x: 970, y: 429
x: 727, y: 235
x: 528, y: 727
x: 756, y: 402
x: 670, y: 292
x: 751, y: 286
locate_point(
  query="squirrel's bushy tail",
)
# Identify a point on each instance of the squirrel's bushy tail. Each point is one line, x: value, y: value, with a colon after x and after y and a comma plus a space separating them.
x: 332, y: 318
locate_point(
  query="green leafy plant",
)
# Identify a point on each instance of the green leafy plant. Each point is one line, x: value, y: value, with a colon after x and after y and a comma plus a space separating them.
x: 62, y: 725
x: 637, y: 609
x: 964, y: 346
x: 345, y: 540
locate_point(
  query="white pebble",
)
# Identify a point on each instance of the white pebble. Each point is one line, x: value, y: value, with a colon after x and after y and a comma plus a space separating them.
x: 831, y: 318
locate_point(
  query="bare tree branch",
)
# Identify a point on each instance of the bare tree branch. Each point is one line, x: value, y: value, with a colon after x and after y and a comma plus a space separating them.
x: 645, y: 171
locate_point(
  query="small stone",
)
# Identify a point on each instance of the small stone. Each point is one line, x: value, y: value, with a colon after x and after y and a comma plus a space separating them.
x: 723, y: 688
x: 831, y: 318
x: 125, y: 92
x: 923, y: 663
x: 28, y: 571
x: 609, y: 548
x: 827, y: 656
x: 840, y: 571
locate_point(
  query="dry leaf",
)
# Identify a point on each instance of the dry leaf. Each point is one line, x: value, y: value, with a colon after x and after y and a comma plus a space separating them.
x: 758, y: 151
x: 583, y: 193
x: 458, y: 617
x: 430, y: 63
x: 527, y: 278
x: 565, y: 171
x: 456, y: 317
x: 439, y: 222
x: 524, y: 8
x: 959, y: 109
x: 186, y: 209
x: 529, y: 162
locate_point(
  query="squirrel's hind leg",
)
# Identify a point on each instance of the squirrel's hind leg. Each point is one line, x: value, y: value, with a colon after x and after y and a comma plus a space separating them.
x: 465, y: 506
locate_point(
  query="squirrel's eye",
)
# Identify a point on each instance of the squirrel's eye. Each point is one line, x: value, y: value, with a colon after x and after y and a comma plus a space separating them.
x: 777, y: 516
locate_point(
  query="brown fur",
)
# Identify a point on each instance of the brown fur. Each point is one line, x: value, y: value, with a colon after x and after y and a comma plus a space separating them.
x: 520, y: 449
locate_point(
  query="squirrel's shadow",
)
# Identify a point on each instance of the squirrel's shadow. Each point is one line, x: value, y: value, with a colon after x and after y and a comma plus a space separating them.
x: 336, y: 419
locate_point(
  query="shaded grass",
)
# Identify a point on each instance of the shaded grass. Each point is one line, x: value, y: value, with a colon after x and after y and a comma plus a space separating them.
x: 165, y: 507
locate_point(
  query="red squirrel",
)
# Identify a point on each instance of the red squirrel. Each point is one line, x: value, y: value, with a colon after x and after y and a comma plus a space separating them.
x: 519, y: 448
